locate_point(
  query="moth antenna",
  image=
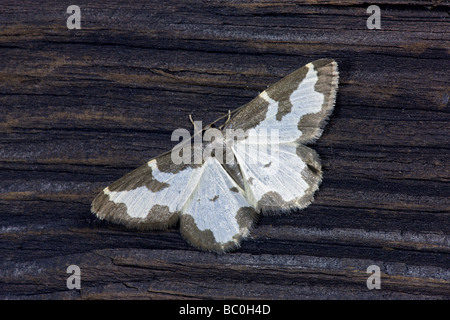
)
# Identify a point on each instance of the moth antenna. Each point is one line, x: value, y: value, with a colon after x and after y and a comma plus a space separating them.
x: 193, y: 123
x: 228, y: 119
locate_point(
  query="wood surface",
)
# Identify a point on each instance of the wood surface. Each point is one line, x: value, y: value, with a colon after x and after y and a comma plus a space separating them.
x: 80, y: 108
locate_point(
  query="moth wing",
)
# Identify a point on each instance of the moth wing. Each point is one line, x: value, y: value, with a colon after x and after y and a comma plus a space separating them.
x: 280, y: 174
x: 217, y: 216
x: 298, y: 105
x: 149, y: 197
x: 278, y: 178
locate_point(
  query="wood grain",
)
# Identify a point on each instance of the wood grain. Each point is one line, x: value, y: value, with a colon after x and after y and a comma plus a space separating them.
x: 80, y: 108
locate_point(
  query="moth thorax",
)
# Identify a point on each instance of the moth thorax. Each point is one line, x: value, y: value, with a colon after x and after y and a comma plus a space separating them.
x: 216, y: 149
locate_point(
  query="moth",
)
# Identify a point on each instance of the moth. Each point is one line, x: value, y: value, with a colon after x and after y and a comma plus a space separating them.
x: 215, y: 202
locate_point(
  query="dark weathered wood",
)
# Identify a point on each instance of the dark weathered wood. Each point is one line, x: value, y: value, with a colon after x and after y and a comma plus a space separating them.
x: 80, y: 108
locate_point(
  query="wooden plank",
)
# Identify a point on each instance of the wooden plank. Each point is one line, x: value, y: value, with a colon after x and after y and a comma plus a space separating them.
x: 80, y: 108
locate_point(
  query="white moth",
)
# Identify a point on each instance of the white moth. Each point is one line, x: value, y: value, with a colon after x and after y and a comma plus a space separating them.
x: 217, y: 202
